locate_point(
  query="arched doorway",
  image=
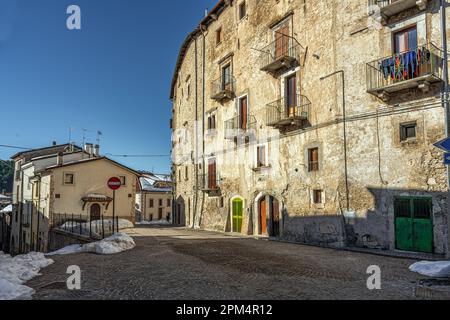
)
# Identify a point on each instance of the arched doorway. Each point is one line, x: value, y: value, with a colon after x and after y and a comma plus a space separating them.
x: 268, y: 209
x: 237, y: 215
x: 95, y: 211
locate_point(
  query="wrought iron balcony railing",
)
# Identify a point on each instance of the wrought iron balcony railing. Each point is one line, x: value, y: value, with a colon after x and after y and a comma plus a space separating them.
x: 281, y: 54
x: 286, y: 112
x: 239, y: 126
x: 223, y: 88
x: 209, y: 182
x: 389, y: 8
x: 411, y: 69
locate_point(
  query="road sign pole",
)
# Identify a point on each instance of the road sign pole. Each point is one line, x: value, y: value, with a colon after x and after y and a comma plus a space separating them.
x: 114, y: 209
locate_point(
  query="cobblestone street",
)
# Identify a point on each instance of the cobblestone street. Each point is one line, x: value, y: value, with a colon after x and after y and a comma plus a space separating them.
x: 183, y: 264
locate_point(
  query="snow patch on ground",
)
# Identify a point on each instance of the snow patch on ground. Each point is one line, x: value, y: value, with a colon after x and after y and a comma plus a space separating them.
x: 117, y: 243
x: 15, y: 271
x: 439, y: 269
x: 153, y: 223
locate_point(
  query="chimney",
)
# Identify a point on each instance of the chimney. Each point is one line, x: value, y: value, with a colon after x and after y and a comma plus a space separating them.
x: 97, y: 150
x: 59, y: 159
x: 54, y: 143
x: 89, y: 148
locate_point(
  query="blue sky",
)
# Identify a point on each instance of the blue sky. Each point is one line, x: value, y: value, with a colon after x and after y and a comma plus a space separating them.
x: 113, y: 75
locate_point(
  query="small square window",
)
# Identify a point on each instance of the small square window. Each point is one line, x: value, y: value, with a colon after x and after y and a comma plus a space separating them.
x: 242, y: 10
x: 408, y: 131
x: 318, y: 196
x: 69, y: 178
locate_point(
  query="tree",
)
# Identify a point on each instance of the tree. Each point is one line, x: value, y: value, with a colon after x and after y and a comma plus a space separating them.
x: 6, y: 175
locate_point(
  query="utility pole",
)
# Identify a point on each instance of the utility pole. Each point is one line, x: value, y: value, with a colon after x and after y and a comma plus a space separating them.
x: 446, y: 106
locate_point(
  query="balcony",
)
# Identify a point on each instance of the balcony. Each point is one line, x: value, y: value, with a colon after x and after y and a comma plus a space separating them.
x: 417, y: 68
x: 237, y: 128
x: 280, y: 55
x: 390, y: 8
x: 281, y: 114
x: 210, y: 184
x: 223, y: 88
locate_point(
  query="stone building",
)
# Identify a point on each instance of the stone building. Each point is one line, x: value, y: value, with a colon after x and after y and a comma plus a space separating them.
x: 313, y: 121
x: 65, y: 182
x: 154, y: 198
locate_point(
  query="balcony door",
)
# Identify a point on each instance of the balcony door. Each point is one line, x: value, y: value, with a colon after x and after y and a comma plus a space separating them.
x: 282, y: 41
x: 291, y: 96
x: 212, y: 174
x: 243, y: 113
x: 405, y: 40
x: 226, y: 78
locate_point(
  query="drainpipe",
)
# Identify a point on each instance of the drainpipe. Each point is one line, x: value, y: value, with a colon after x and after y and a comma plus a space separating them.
x: 203, y: 122
x: 446, y: 105
x: 347, y: 191
x: 194, y: 213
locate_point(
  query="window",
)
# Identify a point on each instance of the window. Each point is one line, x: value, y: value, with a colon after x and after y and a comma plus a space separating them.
x: 212, y: 122
x: 218, y: 36
x: 151, y: 203
x: 186, y: 173
x: 408, y: 131
x: 291, y: 96
x: 160, y: 213
x: 179, y: 175
x: 169, y: 202
x: 261, y: 156
x: 123, y: 180
x: 313, y: 159
x: 242, y: 10
x: 317, y: 196
x: 226, y: 78
x: 69, y: 179
x: 160, y: 202
x: 243, y: 113
x: 405, y: 40
x: 212, y: 174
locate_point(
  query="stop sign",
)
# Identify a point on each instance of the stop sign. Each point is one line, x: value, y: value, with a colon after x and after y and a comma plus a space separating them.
x: 114, y: 183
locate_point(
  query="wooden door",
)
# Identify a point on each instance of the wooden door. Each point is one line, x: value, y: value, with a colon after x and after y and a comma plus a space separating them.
x: 263, y: 216
x: 291, y: 96
x: 282, y: 41
x: 212, y: 175
x: 275, y: 218
x: 95, y: 212
x: 413, y: 224
x: 243, y: 113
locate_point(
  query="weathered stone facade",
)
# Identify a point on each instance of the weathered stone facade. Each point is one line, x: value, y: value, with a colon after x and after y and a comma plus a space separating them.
x: 360, y: 173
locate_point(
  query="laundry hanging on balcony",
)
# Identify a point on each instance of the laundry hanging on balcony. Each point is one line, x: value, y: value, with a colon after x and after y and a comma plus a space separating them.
x: 405, y: 66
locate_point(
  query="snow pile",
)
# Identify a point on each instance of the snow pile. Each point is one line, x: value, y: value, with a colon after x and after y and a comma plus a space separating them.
x: 152, y: 223
x: 94, y: 228
x: 439, y: 269
x: 7, y: 209
x: 14, y: 272
x: 114, y: 244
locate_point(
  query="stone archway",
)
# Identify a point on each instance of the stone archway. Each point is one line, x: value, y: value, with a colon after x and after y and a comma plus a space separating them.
x: 268, y: 215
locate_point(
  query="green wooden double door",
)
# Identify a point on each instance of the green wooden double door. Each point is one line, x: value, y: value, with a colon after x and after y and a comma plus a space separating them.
x: 237, y: 214
x: 414, y: 224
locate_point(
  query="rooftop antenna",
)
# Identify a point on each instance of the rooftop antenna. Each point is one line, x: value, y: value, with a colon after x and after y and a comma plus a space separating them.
x: 70, y: 134
x: 84, y: 136
x: 99, y: 133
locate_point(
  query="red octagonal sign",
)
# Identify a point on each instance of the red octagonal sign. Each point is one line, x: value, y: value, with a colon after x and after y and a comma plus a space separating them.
x: 114, y: 183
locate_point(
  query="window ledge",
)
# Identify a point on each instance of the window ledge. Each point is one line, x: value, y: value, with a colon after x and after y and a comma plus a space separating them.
x: 259, y: 169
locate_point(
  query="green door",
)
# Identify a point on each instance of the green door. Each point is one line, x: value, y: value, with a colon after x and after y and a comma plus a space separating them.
x: 238, y: 207
x: 413, y: 224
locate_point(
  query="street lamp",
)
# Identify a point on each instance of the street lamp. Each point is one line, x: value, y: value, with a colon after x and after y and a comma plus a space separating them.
x: 347, y: 192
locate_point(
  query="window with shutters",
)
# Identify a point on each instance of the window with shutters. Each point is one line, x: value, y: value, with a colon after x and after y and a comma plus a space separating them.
x: 318, y: 196
x: 151, y: 203
x: 212, y: 174
x: 313, y: 159
x: 243, y: 113
x: 212, y: 122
